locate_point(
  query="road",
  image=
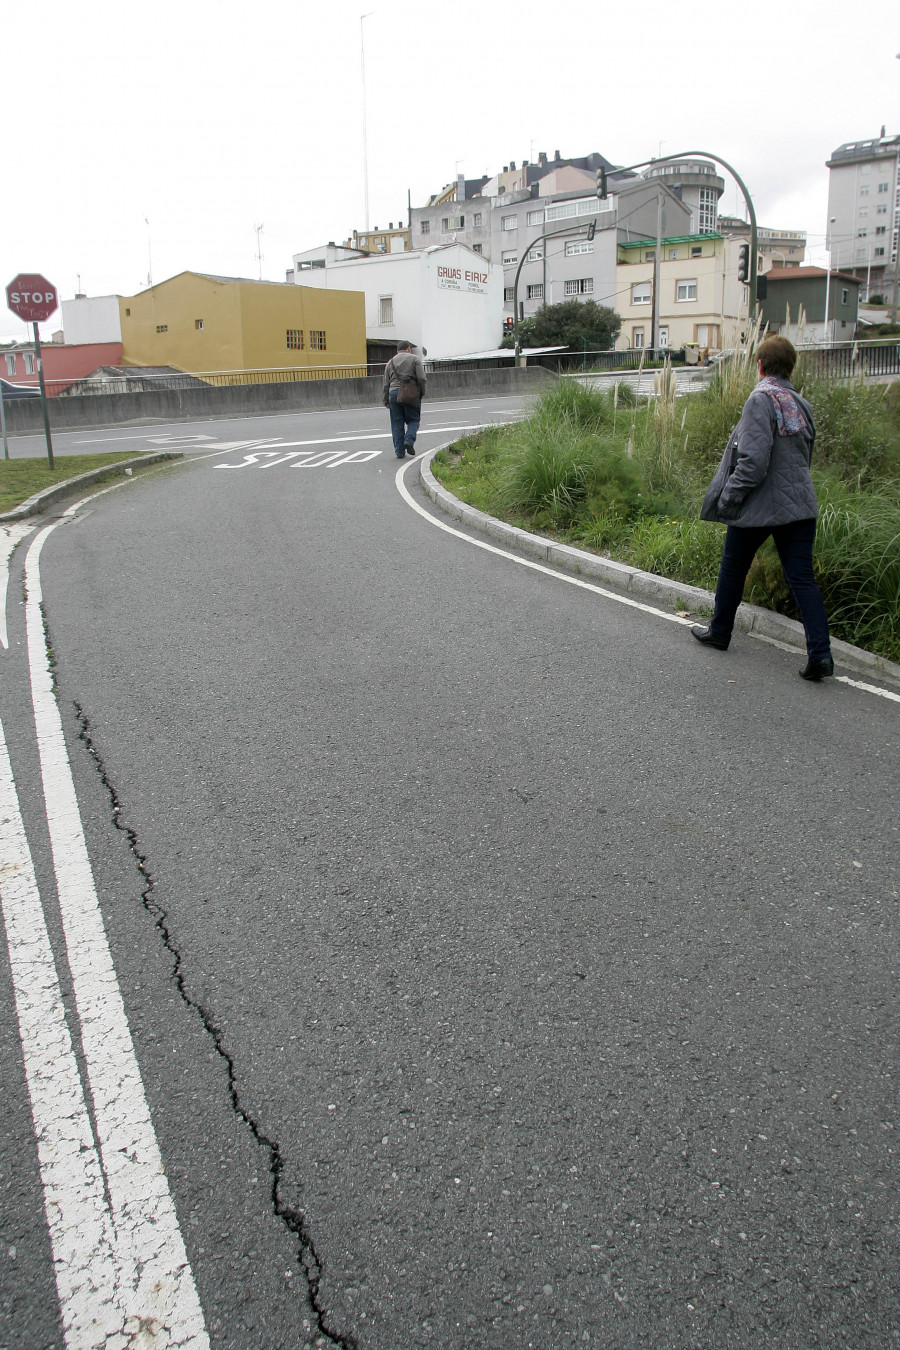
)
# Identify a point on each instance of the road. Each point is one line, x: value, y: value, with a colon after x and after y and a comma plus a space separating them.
x: 407, y: 947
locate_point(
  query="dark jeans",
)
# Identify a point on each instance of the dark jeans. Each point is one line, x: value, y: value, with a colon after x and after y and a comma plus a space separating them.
x: 404, y: 423
x: 794, y: 543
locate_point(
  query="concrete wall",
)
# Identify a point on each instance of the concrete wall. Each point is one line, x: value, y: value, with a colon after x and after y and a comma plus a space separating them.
x: 23, y: 416
x: 91, y: 318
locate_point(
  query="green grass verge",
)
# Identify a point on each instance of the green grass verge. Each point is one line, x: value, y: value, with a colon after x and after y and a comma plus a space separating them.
x: 22, y: 478
x: 593, y: 469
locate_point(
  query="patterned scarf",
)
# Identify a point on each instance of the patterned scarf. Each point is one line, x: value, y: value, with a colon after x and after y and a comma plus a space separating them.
x: 789, y: 415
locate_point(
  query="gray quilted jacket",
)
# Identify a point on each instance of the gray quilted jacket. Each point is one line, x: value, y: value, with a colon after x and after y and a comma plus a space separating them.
x: 763, y: 478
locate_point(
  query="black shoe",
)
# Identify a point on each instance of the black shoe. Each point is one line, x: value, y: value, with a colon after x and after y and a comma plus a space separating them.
x: 410, y: 449
x: 709, y: 639
x: 817, y: 670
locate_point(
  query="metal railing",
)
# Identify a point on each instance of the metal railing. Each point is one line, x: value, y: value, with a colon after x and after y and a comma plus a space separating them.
x: 144, y: 381
x: 846, y: 359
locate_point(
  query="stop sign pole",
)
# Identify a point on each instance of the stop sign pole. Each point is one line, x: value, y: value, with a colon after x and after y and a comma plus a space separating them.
x: 34, y: 299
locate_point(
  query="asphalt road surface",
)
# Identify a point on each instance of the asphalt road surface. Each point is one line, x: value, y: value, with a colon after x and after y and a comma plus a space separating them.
x: 406, y: 947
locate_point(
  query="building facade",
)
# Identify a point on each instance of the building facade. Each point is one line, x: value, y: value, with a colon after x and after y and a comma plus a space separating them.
x: 864, y: 211
x: 448, y: 299
x: 795, y: 305
x: 696, y: 183
x: 774, y: 248
x: 202, y: 323
x: 699, y: 302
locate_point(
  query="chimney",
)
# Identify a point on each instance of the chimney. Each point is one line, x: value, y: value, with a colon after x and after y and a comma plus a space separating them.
x: 391, y: 226
x: 512, y: 165
x: 524, y: 163
x: 556, y: 155
x: 542, y: 158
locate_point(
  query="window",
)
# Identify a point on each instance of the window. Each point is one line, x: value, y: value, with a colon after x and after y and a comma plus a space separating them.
x: 317, y: 339
x: 709, y: 205
x: 509, y: 222
x: 508, y: 294
x: 686, y: 290
x: 878, y: 252
x: 386, y: 309
x: 535, y: 217
x: 637, y: 338
x: 640, y: 293
x: 456, y: 222
x: 510, y: 259
x: 162, y: 328
x: 29, y: 363
x: 585, y: 206
x: 845, y: 295
x: 536, y: 292
x: 294, y: 339
x: 476, y: 220
x: 884, y: 187
x: 578, y: 246
x: 707, y: 334
x: 696, y: 250
x: 128, y: 314
x: 10, y: 363
x: 673, y: 254
x: 861, y: 234
x: 880, y: 210
x: 477, y: 248
x: 864, y: 192
x: 650, y: 255
x: 881, y: 229
x: 584, y: 286
x: 198, y: 324
x: 424, y: 227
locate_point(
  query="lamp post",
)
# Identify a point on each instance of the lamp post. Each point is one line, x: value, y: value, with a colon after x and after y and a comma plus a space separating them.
x: 551, y: 234
x: 688, y: 154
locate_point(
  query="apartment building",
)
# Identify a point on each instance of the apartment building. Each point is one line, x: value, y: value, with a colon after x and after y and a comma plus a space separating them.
x: 569, y: 265
x: 699, y: 298
x: 864, y: 211
x: 774, y: 248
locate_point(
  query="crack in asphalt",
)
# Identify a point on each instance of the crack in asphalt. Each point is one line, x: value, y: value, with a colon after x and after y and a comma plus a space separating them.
x: 293, y: 1219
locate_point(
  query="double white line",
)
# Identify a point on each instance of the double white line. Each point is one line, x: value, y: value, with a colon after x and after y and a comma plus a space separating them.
x: 122, y: 1272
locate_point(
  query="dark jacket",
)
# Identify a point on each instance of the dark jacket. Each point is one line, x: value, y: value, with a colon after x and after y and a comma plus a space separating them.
x: 763, y: 477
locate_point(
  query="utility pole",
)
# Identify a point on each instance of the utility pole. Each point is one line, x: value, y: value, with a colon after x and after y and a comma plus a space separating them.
x: 362, y: 66
x: 654, y: 315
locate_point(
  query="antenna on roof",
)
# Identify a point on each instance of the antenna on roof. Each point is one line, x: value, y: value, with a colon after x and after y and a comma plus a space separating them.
x: 259, y: 257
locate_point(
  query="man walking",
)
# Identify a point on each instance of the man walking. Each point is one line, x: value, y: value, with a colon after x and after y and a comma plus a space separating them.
x: 402, y: 393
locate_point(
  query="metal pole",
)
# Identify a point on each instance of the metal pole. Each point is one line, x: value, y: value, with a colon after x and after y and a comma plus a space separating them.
x: 40, y: 366
x: 827, y: 293
x: 3, y: 425
x: 654, y: 316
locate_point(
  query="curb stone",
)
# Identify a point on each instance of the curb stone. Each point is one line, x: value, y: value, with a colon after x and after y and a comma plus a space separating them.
x: 35, y: 505
x: 646, y: 586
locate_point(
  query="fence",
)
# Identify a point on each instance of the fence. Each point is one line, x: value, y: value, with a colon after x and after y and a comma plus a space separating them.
x: 848, y: 359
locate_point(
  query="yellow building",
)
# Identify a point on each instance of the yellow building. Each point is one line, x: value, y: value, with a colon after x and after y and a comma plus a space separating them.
x: 200, y: 323
x: 700, y: 298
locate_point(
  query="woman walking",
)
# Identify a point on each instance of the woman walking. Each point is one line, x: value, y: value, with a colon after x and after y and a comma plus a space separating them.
x: 763, y: 487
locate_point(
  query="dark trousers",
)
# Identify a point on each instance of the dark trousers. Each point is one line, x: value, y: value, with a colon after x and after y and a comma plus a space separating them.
x: 794, y: 543
x: 404, y: 423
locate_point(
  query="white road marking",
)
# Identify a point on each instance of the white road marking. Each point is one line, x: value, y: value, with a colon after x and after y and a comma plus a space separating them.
x: 598, y: 590
x: 527, y: 562
x: 10, y: 535
x: 869, y: 688
x: 122, y: 1270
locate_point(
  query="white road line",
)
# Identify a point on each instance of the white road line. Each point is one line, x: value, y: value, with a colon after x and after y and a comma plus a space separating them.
x: 154, y: 1285
x: 10, y: 535
x: 598, y: 590
x: 527, y: 562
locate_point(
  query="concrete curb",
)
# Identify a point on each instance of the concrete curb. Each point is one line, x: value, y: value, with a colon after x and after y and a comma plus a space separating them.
x: 39, y: 503
x: 645, y: 586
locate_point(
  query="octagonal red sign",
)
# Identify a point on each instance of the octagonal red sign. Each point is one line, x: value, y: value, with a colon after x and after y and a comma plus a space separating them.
x: 32, y: 297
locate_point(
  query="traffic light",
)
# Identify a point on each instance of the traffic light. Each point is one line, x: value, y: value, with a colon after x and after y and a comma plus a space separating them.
x: 592, y: 229
x: 509, y: 327
x: 744, y: 262
x: 601, y: 185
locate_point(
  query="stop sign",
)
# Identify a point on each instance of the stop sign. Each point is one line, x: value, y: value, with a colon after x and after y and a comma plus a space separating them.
x: 32, y: 297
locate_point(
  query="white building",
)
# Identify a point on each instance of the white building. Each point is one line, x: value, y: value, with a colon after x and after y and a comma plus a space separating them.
x: 91, y: 318
x: 864, y: 210
x: 447, y: 299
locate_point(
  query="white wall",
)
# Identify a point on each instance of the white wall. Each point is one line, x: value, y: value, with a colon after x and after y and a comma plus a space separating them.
x: 447, y: 299
x: 92, y: 319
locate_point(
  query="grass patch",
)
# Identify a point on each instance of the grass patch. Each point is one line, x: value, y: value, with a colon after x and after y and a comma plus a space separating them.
x: 22, y: 478
x: 596, y: 469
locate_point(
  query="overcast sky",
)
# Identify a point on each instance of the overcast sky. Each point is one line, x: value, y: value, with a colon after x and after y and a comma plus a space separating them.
x: 156, y: 136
